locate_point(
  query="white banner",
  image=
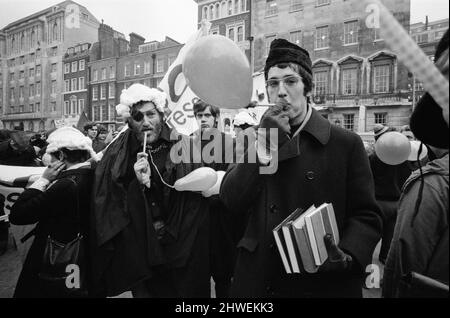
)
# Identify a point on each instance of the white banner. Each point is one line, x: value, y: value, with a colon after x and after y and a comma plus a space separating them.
x: 180, y: 96
x: 13, y: 180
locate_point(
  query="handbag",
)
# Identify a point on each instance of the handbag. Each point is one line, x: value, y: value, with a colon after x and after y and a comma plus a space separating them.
x: 63, y: 265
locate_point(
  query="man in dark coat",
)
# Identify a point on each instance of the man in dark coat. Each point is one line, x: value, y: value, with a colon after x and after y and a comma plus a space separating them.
x: 150, y: 239
x: 317, y: 163
x: 388, y: 180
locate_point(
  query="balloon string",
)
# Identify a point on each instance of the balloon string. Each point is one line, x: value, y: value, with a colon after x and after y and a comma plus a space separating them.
x: 159, y: 174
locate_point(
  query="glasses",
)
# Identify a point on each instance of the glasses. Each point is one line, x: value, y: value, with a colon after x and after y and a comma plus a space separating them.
x: 289, y: 81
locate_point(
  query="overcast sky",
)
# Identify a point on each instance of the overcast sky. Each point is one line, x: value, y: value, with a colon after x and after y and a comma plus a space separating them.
x: 154, y: 19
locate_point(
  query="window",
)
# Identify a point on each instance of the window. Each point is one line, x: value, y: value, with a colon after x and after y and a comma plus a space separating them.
x: 381, y: 118
x: 349, y: 121
x: 147, y: 67
x: 236, y: 6
x: 127, y: 70
x: 12, y: 94
x: 38, y: 71
x: 137, y: 69
x: 349, y: 81
x: 269, y: 40
x: 38, y: 53
x: 243, y: 4
x: 320, y: 83
x: 230, y: 7
x: 74, y: 83
x: 112, y: 112
x: 74, y: 67
x: 55, y: 32
x: 96, y: 113
x: 351, y: 32
x: 38, y: 89
x: 322, y: 37
x: 322, y: 2
x: 11, y: 76
x: 21, y: 92
x: 111, y: 91
x: 95, y: 75
x: 53, y: 87
x: 31, y: 91
x: 296, y: 37
x: 81, y: 83
x: 95, y: 93
x: 66, y: 68
x: 381, y: 79
x: 104, y: 112
x: 80, y: 106
x: 217, y: 11
x: 376, y: 34
x: 22, y: 75
x: 73, y: 106
x: 53, y: 106
x: 31, y: 110
x: 37, y: 107
x: 271, y: 7
x: 54, y: 51
x: 66, y: 86
x: 103, y: 92
x: 231, y: 34
x: 112, y: 72
x: 103, y: 74
x: 21, y: 109
x: 423, y: 38
x: 54, y: 68
x: 160, y: 64
x: 66, y: 107
x: 296, y: 5
x: 82, y: 65
x: 240, y: 34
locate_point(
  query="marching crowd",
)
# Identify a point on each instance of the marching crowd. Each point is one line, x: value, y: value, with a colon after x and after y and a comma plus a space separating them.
x: 120, y: 220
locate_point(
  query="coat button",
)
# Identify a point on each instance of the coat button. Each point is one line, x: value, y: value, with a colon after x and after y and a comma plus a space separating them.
x: 153, y: 204
x: 273, y: 208
x: 310, y: 175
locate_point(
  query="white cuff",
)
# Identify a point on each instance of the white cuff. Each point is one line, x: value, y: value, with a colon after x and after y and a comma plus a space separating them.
x: 40, y: 184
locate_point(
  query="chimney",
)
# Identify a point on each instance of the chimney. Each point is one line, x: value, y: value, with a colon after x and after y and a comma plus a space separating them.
x: 426, y: 22
x: 135, y: 41
x: 106, y: 40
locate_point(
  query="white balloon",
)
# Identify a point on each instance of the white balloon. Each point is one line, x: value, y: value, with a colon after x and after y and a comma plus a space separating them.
x: 215, y: 189
x: 415, y: 145
x: 200, y: 179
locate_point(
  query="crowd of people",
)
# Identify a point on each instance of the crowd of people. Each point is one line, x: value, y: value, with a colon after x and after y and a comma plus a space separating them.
x: 140, y: 234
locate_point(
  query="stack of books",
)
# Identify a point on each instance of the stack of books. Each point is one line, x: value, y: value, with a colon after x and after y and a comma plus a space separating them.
x: 300, y: 238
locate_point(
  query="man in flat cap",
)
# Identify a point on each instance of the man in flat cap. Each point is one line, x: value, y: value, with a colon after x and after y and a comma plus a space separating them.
x: 317, y: 163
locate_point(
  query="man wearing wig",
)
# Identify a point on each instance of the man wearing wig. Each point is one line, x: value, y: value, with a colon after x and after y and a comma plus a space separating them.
x: 149, y: 237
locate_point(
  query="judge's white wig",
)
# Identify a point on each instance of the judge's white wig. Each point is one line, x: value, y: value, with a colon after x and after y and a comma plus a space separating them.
x: 71, y: 139
x: 137, y: 93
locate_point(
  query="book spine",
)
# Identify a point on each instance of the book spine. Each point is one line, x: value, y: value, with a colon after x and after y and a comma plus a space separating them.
x: 290, y: 248
x: 304, y: 249
x: 312, y: 241
x: 282, y: 252
x: 319, y: 234
x: 333, y: 222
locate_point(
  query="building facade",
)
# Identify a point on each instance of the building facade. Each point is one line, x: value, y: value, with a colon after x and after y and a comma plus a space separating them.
x: 115, y: 64
x: 427, y: 35
x: 358, y: 82
x: 76, y: 79
x: 32, y: 51
x: 104, y: 55
x: 230, y: 18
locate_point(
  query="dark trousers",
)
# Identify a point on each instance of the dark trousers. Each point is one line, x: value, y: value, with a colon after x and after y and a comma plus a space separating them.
x: 389, y: 210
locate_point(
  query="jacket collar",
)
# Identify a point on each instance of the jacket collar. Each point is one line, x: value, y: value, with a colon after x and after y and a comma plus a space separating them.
x: 317, y: 126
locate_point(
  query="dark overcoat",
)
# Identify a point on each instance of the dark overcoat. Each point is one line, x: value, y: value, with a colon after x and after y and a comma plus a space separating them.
x: 323, y: 163
x: 55, y: 212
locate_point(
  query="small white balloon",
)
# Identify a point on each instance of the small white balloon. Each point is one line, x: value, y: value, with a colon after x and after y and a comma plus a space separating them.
x: 200, y: 179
